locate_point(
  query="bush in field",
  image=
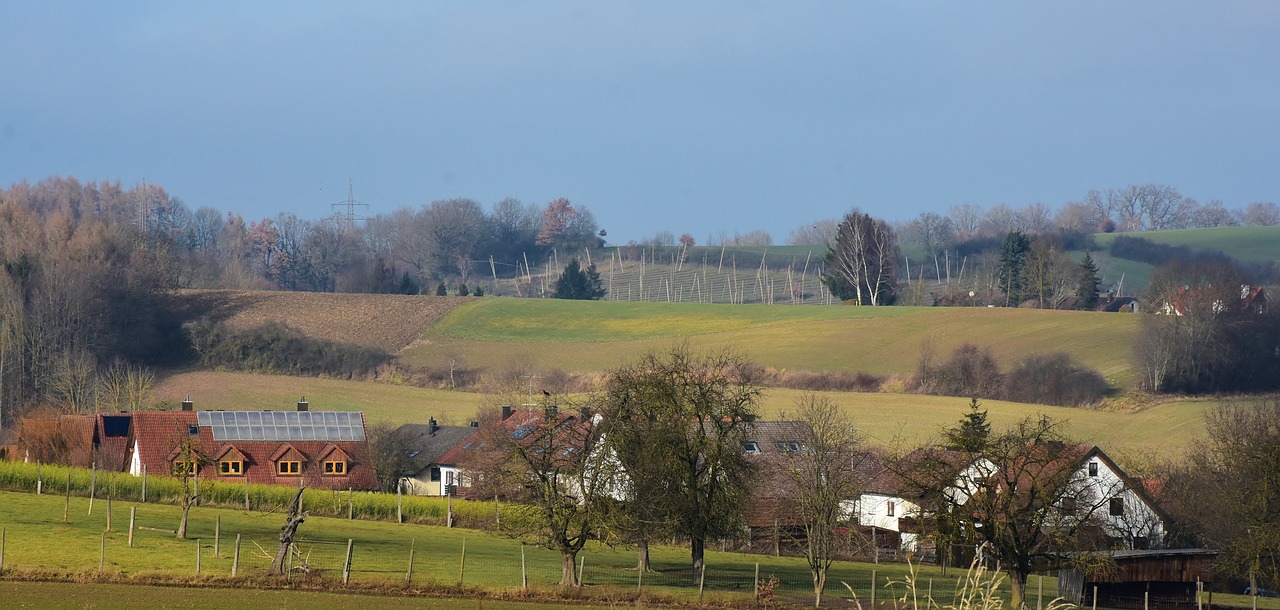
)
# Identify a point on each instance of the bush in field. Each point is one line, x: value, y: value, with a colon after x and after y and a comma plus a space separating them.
x: 1054, y: 379
x: 277, y: 348
x: 830, y: 381
x: 971, y: 371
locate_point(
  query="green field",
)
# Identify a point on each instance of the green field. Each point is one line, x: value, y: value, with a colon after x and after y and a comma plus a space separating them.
x: 485, y: 563
x: 584, y: 336
x: 888, y: 420
x: 1249, y: 244
x: 107, y: 596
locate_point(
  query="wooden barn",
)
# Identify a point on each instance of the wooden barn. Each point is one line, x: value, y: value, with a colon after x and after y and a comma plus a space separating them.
x: 1162, y: 579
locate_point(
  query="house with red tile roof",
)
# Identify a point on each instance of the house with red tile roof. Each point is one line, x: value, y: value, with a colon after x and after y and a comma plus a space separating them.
x: 325, y: 449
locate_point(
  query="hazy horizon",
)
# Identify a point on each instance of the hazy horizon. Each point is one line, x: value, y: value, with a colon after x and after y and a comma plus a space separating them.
x: 704, y: 118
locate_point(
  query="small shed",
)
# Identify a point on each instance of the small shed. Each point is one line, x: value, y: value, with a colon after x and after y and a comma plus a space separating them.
x: 1165, y: 579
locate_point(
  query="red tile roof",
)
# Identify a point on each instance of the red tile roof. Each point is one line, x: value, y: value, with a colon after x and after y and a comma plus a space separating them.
x: 158, y: 433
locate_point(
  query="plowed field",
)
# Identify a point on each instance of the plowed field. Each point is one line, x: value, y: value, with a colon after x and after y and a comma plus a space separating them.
x: 391, y: 322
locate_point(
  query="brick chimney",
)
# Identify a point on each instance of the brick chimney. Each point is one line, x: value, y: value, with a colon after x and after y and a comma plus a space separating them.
x: 506, y: 412
x: 303, y: 405
x: 187, y: 405
x: 432, y: 427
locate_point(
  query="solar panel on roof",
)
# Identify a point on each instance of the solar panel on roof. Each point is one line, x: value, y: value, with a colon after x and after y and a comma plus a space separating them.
x: 283, y: 425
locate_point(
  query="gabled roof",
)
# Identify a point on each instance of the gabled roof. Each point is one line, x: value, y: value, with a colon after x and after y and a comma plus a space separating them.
x: 158, y: 433
x: 425, y: 449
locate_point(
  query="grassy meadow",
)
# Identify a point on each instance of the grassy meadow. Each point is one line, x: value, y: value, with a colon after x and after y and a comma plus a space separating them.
x: 490, y: 563
x: 582, y: 336
x: 1250, y: 244
x: 886, y: 420
x: 112, y: 596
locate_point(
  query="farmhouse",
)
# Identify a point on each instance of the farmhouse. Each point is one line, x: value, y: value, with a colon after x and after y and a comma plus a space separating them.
x: 325, y: 449
x: 1098, y: 488
x: 430, y: 472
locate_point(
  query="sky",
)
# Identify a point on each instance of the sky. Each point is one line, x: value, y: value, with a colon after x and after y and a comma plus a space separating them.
x: 713, y: 118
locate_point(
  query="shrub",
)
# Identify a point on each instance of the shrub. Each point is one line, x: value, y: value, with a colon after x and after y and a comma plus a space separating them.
x: 1054, y: 379
x: 971, y: 371
x: 277, y: 348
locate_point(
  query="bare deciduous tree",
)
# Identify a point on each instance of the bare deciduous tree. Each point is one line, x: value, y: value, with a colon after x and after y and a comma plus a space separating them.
x: 822, y: 478
x: 862, y: 263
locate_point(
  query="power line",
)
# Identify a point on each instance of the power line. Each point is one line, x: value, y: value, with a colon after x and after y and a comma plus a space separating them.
x: 347, y: 218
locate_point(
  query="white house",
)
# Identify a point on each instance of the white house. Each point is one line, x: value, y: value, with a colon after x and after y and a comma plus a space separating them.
x: 1101, y: 491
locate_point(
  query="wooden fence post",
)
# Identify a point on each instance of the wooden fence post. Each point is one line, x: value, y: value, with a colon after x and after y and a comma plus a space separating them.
x: 351, y: 504
x: 408, y: 577
x: 1039, y: 592
x: 702, y: 580
x: 144, y: 483
x: 2, y: 536
x: 66, y: 508
x: 197, y: 556
x: 217, y: 535
x: 582, y: 563
x: 108, y: 504
x: 462, y: 562
x: 524, y: 575
x: 755, y: 585
x: 1199, y: 594
x: 399, y: 504
x: 40, y: 479
x: 93, y: 484
x: 133, y: 516
x: 102, y: 552
x: 346, y: 565
x: 235, y: 560
x: 246, y: 494
x: 873, y: 586
x: 1095, y: 597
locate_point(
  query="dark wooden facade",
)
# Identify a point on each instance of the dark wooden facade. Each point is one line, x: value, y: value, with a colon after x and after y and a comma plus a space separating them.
x: 1164, y: 579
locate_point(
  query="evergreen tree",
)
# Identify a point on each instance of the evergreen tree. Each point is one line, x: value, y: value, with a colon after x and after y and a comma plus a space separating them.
x: 462, y: 289
x: 1013, y: 255
x: 578, y: 283
x: 1087, y: 286
x: 479, y: 292
x: 971, y: 434
x: 407, y: 285
x: 441, y: 291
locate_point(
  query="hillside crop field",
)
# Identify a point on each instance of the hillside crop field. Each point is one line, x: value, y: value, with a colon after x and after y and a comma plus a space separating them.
x: 887, y: 420
x: 584, y: 336
x: 1249, y: 244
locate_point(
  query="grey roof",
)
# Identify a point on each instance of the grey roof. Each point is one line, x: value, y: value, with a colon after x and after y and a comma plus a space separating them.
x: 429, y: 447
x: 778, y: 436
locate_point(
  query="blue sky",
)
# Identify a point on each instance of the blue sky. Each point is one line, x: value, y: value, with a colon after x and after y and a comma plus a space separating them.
x: 701, y: 117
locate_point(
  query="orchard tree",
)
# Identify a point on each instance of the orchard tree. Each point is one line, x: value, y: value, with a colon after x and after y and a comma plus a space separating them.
x: 1227, y: 490
x: 694, y: 412
x: 862, y: 263
x: 550, y: 462
x: 820, y: 478
x: 1024, y: 497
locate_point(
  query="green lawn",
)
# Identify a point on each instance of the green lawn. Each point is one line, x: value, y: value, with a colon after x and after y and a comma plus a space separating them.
x: 129, y: 596
x: 381, y: 554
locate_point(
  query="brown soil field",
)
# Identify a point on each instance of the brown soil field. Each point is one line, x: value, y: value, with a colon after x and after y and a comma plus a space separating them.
x: 390, y: 322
